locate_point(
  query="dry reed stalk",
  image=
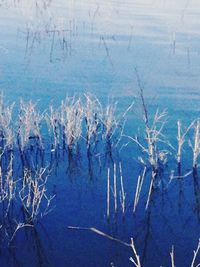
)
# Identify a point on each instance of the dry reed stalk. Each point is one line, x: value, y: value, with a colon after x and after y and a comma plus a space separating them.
x: 153, y: 131
x: 153, y: 136
x: 11, y: 185
x: 93, y: 116
x: 120, y: 124
x: 108, y: 194
x: 139, y: 188
x: 96, y: 231
x: 181, y: 139
x: 3, y: 188
x: 195, y: 256
x: 196, y: 147
x: 136, y: 262
x: 71, y: 120
x: 109, y: 121
x: 6, y: 130
x: 150, y: 189
x: 172, y: 257
x: 53, y: 121
x: 136, y: 193
x: 115, y: 187
x: 33, y: 193
x: 7, y: 187
x: 122, y: 193
x: 29, y: 121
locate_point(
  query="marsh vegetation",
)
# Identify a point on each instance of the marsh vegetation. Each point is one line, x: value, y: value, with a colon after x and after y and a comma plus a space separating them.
x: 122, y: 162
x: 35, y: 144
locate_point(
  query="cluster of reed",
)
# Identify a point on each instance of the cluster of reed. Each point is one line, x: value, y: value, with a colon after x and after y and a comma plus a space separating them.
x: 119, y: 195
x: 78, y: 119
x: 74, y: 120
x: 33, y: 196
x: 83, y: 119
x: 23, y: 198
x: 156, y: 149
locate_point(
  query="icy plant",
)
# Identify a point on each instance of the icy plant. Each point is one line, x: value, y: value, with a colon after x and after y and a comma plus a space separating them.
x: 53, y: 120
x: 136, y: 258
x: 181, y: 137
x: 7, y: 187
x: 6, y: 130
x: 109, y: 121
x: 33, y: 194
x: 153, y: 135
x: 29, y: 121
x: 195, y: 145
x: 93, y: 117
x: 71, y: 120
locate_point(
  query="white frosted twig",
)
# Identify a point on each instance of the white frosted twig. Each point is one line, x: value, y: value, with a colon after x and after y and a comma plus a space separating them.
x: 136, y: 262
x: 115, y: 187
x: 139, y: 188
x: 150, y: 189
x: 172, y: 257
x: 195, y: 256
x: 122, y: 193
x: 108, y: 194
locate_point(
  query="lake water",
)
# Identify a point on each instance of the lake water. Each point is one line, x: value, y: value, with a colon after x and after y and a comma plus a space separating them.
x: 50, y: 49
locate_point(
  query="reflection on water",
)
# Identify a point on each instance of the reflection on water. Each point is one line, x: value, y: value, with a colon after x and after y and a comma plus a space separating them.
x: 50, y: 49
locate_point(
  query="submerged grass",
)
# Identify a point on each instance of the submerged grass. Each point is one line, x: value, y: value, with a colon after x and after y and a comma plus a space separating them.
x: 83, y: 124
x: 79, y: 120
x: 23, y: 198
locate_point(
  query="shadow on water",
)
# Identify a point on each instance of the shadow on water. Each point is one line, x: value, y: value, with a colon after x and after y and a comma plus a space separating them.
x: 32, y: 244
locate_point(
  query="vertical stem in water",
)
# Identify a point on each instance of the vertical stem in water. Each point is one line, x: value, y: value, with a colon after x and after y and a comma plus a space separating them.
x: 180, y: 142
x: 123, y: 195
x: 139, y: 188
x: 108, y: 194
x: 150, y: 189
x: 115, y: 187
x: 196, y: 144
x: 172, y: 257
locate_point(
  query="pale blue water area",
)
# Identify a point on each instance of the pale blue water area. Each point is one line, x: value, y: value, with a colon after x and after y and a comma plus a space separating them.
x: 53, y: 48
x: 103, y: 43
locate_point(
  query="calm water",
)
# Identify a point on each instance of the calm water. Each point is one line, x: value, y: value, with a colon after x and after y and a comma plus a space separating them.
x: 50, y: 49
x: 57, y: 48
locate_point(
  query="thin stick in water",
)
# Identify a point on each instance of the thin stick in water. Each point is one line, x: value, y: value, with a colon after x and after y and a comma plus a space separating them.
x: 123, y: 195
x: 115, y: 187
x: 108, y: 194
x: 94, y: 230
